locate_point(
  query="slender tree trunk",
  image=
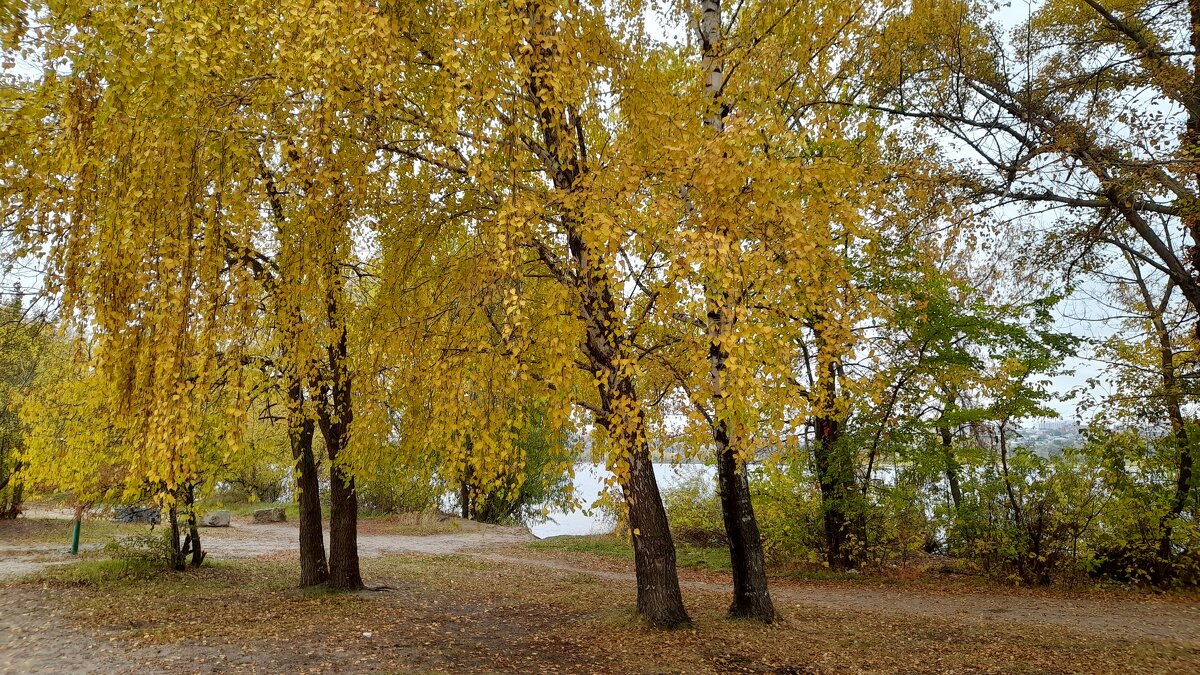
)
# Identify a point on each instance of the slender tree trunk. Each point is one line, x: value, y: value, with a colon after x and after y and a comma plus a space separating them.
x: 1172, y: 397
x: 194, y: 547
x: 606, y: 347
x: 468, y: 508
x: 336, y: 414
x: 176, y: 545
x: 751, y: 599
x: 947, y: 436
x: 314, y: 570
x: 1183, y: 476
x: 1023, y: 568
x: 952, y: 467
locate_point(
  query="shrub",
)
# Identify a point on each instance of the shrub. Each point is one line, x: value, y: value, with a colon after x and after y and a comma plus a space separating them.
x: 694, y: 510
x: 400, y: 489
x: 154, y: 548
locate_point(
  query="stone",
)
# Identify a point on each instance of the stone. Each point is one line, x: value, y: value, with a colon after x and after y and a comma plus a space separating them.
x: 137, y: 514
x: 215, y: 519
x: 272, y: 515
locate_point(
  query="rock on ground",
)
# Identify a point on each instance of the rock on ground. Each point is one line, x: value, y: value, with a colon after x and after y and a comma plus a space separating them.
x: 215, y: 519
x: 272, y: 515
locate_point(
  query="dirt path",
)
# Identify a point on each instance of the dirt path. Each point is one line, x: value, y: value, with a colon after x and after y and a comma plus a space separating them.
x: 35, y: 637
x: 243, y: 540
x: 252, y: 541
x: 1117, y: 617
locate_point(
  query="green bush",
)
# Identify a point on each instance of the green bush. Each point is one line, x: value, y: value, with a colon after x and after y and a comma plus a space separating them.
x: 154, y: 548
x: 399, y: 488
x: 694, y: 511
x: 788, y: 507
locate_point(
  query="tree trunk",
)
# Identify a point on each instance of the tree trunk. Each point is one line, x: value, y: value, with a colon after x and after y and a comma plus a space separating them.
x: 1173, y: 405
x: 176, y: 546
x: 952, y: 467
x: 658, y: 595
x: 1191, y: 149
x: 751, y: 599
x: 314, y: 570
x: 607, y: 347
x: 1023, y: 568
x: 947, y: 435
x: 344, y: 572
x: 1183, y: 477
x: 835, y: 478
x: 336, y: 414
x: 11, y: 507
x: 194, y: 547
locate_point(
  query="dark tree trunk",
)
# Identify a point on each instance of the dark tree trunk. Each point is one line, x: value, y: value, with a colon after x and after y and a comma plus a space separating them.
x: 751, y: 599
x: 466, y: 491
x: 658, y: 595
x: 193, y: 546
x: 11, y: 507
x: 835, y: 476
x: 176, y: 546
x: 344, y: 570
x: 1183, y: 476
x: 336, y: 414
x: 314, y: 570
x: 606, y: 347
x: 952, y: 468
x: 834, y: 463
x: 1172, y: 403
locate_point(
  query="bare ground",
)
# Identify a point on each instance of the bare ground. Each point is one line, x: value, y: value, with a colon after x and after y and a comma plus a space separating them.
x: 42, y: 633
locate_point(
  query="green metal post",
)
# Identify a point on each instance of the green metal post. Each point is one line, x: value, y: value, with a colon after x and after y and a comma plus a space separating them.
x: 75, y: 537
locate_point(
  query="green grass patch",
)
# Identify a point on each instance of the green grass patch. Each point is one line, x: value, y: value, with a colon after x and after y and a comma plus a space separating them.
x: 102, y: 573
x: 607, y: 545
x: 248, y: 508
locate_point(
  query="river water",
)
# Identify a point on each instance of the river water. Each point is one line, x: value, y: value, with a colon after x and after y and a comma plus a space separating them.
x: 589, y: 482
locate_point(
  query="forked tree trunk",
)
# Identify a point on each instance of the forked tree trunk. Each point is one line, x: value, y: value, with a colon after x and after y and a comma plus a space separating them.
x: 193, y: 547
